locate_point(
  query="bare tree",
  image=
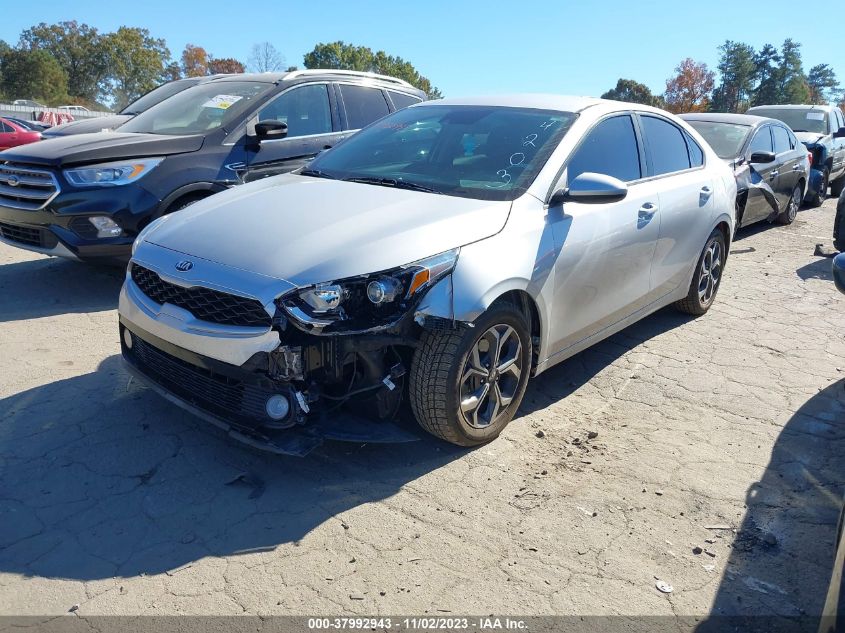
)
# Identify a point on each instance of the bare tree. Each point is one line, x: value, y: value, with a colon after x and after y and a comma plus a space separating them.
x: 265, y: 58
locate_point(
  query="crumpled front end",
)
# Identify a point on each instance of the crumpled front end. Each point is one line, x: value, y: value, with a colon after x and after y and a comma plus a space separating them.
x: 264, y: 364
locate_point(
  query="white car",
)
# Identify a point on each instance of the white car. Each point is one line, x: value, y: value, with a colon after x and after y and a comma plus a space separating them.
x: 444, y: 254
x: 74, y: 108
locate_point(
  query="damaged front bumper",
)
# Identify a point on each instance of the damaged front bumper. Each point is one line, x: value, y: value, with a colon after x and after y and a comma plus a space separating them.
x: 234, y: 398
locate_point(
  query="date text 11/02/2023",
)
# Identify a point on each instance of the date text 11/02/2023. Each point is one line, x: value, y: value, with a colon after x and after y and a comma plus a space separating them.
x: 417, y: 623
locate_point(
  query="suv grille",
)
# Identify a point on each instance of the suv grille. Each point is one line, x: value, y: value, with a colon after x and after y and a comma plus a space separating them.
x: 204, y: 303
x: 223, y: 396
x: 25, y: 188
x: 30, y: 236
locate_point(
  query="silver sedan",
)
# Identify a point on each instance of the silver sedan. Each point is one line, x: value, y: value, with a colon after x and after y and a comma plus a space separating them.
x: 444, y: 254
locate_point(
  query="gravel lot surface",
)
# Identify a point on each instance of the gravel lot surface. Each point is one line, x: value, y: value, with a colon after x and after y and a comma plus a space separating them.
x: 705, y: 453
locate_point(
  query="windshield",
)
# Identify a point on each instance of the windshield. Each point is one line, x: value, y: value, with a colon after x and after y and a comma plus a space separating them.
x: 157, y: 95
x: 200, y: 109
x: 799, y: 120
x: 726, y: 139
x: 485, y: 152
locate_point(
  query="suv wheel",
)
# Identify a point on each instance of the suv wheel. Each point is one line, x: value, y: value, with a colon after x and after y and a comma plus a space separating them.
x: 791, y: 211
x: 821, y: 194
x: 466, y: 384
x: 839, y: 226
x: 707, y: 277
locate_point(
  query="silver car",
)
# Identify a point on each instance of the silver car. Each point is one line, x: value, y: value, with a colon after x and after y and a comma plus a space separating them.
x: 442, y: 255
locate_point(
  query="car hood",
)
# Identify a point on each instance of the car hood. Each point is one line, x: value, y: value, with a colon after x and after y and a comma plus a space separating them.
x: 87, y: 126
x: 103, y: 146
x: 809, y: 137
x: 308, y: 230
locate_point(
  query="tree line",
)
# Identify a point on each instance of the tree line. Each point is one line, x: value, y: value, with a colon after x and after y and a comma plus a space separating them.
x: 746, y: 77
x: 73, y: 63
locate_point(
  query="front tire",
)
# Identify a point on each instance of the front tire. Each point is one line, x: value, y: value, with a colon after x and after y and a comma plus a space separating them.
x: 837, y: 186
x: 466, y: 384
x: 791, y: 211
x: 707, y: 277
x: 821, y: 194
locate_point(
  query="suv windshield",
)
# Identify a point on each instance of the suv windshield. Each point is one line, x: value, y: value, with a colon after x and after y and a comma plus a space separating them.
x: 485, y: 152
x: 200, y: 109
x: 726, y: 139
x: 799, y: 120
x: 157, y: 95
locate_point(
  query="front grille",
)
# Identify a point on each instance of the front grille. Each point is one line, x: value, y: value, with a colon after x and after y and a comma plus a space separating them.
x: 28, y: 235
x: 204, y: 303
x: 26, y: 188
x: 223, y: 396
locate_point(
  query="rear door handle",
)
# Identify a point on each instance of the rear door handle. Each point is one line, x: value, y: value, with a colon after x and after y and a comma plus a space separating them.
x: 773, y: 175
x: 796, y: 168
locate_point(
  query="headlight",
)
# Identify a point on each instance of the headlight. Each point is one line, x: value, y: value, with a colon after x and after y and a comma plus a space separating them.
x: 111, y: 174
x: 367, y: 301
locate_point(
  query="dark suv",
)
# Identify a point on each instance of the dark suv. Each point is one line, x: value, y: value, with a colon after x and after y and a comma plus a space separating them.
x: 87, y: 196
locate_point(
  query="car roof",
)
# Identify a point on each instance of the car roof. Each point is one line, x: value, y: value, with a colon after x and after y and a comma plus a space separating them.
x: 319, y: 73
x: 541, y: 101
x: 727, y: 117
x: 793, y: 106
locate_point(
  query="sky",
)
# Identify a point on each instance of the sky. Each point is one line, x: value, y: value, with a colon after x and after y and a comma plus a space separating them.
x: 468, y: 47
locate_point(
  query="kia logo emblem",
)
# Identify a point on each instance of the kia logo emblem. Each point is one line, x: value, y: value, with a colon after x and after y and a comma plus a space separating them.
x: 184, y: 266
x: 13, y: 181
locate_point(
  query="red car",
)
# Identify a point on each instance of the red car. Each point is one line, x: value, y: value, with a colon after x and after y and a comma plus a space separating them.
x: 13, y: 134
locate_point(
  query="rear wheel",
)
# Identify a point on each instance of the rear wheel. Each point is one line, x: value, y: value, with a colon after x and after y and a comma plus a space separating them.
x: 791, y: 211
x: 466, y: 384
x: 707, y: 277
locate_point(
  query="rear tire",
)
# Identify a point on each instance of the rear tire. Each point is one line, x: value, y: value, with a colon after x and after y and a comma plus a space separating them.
x: 837, y: 186
x: 839, y: 226
x: 707, y: 276
x: 791, y: 211
x: 462, y: 389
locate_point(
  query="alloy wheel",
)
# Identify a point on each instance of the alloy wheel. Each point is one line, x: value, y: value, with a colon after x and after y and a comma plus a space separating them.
x: 794, y: 203
x: 710, y: 272
x: 490, y: 377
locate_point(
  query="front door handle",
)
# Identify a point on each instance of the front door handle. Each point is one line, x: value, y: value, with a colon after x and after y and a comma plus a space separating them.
x: 646, y: 212
x: 796, y: 168
x: 773, y: 175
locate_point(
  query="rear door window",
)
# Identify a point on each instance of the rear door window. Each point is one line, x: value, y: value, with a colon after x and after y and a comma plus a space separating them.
x: 610, y: 148
x: 401, y: 100
x: 781, y: 138
x: 363, y: 105
x: 304, y: 109
x: 762, y: 141
x: 666, y: 145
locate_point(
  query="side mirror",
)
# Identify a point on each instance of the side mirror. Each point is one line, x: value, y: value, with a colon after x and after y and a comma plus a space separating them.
x: 762, y: 157
x: 839, y: 272
x: 840, y: 133
x: 270, y: 130
x: 591, y: 188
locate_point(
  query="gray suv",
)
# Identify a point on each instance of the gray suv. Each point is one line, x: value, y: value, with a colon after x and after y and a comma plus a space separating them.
x: 822, y: 129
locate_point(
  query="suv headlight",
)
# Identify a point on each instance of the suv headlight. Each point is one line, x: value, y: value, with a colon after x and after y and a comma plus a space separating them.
x: 112, y: 174
x: 367, y: 301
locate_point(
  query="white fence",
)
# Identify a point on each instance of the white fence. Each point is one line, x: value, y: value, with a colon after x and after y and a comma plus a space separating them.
x: 29, y: 113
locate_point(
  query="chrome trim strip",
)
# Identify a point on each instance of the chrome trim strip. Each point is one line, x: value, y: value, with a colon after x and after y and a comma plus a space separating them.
x: 21, y: 172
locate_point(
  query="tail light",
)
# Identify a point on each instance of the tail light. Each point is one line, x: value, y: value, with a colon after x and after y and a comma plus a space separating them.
x: 809, y: 159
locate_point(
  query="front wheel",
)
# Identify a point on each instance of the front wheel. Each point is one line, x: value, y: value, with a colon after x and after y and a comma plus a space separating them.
x: 466, y: 384
x: 821, y: 194
x: 791, y: 211
x: 707, y: 276
x: 836, y: 187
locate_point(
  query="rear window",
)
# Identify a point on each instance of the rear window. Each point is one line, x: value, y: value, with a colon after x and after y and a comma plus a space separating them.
x: 667, y: 146
x: 401, y: 100
x: 363, y: 105
x: 781, y: 137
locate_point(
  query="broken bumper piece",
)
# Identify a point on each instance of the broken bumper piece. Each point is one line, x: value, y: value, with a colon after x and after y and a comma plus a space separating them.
x: 235, y: 399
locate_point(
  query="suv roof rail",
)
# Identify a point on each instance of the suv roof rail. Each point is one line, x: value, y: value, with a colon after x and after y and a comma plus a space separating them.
x: 352, y: 73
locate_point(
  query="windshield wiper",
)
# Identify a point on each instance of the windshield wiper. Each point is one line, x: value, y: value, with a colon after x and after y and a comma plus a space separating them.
x: 391, y: 182
x: 316, y: 173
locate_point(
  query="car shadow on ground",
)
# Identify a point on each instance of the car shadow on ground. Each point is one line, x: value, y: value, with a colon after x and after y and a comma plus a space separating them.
x: 785, y: 543
x: 560, y: 381
x: 819, y: 269
x: 102, y: 478
x: 49, y: 286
